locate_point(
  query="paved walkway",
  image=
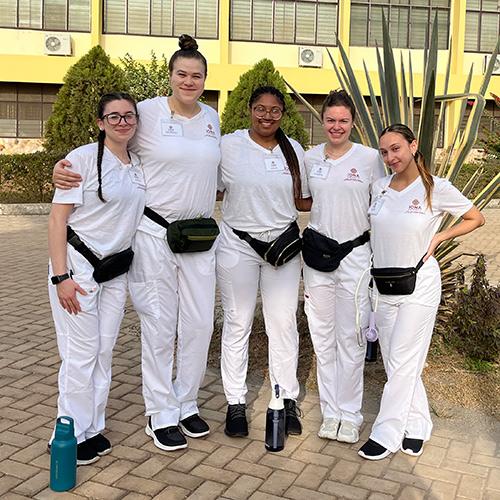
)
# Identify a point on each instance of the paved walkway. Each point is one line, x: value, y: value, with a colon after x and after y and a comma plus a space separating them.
x: 461, y: 461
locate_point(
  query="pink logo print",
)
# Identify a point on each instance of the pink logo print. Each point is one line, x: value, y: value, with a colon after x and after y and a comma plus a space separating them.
x: 353, y: 176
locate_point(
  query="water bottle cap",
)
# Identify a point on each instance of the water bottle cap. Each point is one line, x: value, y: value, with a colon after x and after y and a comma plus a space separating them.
x: 276, y: 402
x: 65, y: 428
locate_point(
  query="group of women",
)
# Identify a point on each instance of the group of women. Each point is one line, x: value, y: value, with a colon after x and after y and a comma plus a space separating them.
x: 108, y: 208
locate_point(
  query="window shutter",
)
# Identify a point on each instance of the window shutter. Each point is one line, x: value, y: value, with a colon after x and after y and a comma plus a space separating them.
x: 79, y: 15
x: 184, y: 17
x: 359, y: 25
x: 489, y: 32
x: 30, y: 14
x: 161, y: 17
x: 115, y: 12
x: 284, y: 22
x: 206, y: 19
x: 54, y: 15
x: 262, y: 20
x: 327, y: 24
x: 241, y: 19
x: 306, y: 20
x: 8, y: 13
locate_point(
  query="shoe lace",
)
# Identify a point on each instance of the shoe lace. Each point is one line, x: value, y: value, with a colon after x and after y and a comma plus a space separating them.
x: 292, y: 410
x: 237, y: 411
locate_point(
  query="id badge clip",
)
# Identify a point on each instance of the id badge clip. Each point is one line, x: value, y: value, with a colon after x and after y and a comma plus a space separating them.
x: 170, y: 128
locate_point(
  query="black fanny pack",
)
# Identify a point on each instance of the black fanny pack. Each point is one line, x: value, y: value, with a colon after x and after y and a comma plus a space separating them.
x: 396, y: 280
x: 187, y: 235
x: 104, y: 269
x: 286, y: 246
x: 325, y: 254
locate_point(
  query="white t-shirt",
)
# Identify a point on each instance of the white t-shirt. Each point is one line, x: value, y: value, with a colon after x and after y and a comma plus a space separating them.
x: 180, y: 157
x: 402, y: 227
x: 341, y: 190
x: 258, y: 186
x: 106, y: 228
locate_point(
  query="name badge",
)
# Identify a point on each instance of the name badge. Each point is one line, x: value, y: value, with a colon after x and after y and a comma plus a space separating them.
x: 137, y: 178
x: 320, y: 171
x: 376, y: 205
x: 171, y: 129
x: 274, y: 164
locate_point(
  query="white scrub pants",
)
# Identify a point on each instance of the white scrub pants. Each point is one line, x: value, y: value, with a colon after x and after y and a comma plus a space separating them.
x: 405, y: 331
x: 240, y: 274
x: 331, y: 313
x: 173, y: 295
x: 85, y: 342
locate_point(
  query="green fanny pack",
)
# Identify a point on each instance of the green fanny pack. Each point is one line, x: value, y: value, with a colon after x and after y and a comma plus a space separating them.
x: 187, y: 235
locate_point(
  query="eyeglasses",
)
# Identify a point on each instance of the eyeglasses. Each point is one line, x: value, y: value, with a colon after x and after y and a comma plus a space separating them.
x: 261, y: 111
x: 116, y: 118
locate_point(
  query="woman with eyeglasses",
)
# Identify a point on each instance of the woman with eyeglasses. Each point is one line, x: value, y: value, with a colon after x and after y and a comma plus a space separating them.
x: 173, y: 293
x: 103, y: 213
x: 263, y: 181
x: 336, y: 253
x: 406, y: 212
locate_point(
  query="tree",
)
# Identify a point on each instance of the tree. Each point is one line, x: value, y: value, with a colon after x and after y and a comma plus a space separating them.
x: 73, y: 120
x: 236, y: 115
x: 146, y: 81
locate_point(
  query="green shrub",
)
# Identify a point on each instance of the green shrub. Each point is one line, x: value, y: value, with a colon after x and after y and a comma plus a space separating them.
x: 475, y: 325
x: 27, y: 178
x: 236, y: 115
x: 490, y: 165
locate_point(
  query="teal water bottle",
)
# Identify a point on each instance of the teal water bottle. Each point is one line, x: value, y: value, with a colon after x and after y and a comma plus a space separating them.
x: 63, y: 456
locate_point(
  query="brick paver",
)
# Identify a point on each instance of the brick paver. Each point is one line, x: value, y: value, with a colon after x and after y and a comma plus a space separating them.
x: 459, y: 462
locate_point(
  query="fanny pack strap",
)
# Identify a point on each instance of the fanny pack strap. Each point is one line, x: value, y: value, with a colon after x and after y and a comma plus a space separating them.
x: 245, y: 236
x: 361, y: 240
x: 74, y: 240
x: 420, y: 264
x: 156, y: 217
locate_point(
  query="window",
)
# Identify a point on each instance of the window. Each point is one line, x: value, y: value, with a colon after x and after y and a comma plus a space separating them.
x: 60, y: 15
x: 162, y: 17
x: 308, y: 22
x: 409, y: 22
x: 482, y: 25
x: 25, y: 108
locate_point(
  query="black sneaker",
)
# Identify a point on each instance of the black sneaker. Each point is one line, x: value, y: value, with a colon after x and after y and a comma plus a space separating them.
x: 194, y: 426
x: 236, y: 421
x: 371, y: 450
x: 85, y: 453
x: 100, y: 444
x: 413, y: 447
x: 293, y: 427
x: 168, y: 438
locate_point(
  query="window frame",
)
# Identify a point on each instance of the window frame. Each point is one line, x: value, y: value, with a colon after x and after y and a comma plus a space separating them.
x: 480, y: 11
x: 294, y: 42
x: 172, y: 32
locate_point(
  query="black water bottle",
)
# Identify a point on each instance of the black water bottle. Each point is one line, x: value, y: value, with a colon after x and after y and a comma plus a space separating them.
x: 275, y: 422
x: 371, y: 351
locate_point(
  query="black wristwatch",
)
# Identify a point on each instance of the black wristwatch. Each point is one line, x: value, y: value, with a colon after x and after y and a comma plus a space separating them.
x: 59, y: 278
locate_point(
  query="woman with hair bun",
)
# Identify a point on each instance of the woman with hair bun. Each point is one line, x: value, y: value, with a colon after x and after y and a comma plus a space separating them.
x: 336, y: 253
x: 263, y: 180
x: 173, y: 293
x: 406, y: 211
x: 100, y: 217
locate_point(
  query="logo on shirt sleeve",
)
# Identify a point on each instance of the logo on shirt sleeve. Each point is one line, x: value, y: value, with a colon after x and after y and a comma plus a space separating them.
x: 353, y: 175
x: 414, y: 207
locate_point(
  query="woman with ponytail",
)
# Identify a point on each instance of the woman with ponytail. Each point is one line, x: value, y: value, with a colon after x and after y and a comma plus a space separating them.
x: 263, y: 183
x: 173, y: 293
x: 102, y: 213
x: 405, y: 214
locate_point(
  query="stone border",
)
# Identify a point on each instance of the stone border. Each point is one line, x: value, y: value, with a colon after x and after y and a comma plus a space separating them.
x: 44, y: 208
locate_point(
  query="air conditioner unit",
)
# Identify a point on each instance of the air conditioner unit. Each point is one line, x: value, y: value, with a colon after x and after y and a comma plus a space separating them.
x: 57, y: 44
x: 311, y: 57
x: 496, y: 66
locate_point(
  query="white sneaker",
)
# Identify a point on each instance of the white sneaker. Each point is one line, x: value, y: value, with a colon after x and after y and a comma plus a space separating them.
x: 329, y: 428
x: 348, y: 432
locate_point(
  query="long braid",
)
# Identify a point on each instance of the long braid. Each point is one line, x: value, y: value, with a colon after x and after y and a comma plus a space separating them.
x: 100, y: 151
x: 426, y: 176
x: 291, y: 160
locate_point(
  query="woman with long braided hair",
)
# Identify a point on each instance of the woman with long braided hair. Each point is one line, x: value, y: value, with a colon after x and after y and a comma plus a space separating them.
x: 405, y: 214
x: 102, y: 213
x: 263, y: 183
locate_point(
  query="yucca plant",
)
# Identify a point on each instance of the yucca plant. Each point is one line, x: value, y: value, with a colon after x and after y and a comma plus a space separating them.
x: 397, y: 98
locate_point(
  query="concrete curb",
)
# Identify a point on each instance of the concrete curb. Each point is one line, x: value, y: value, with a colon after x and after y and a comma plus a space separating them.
x: 44, y: 208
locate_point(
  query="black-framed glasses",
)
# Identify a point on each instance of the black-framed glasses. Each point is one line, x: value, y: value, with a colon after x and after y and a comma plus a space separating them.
x: 275, y: 112
x: 116, y: 118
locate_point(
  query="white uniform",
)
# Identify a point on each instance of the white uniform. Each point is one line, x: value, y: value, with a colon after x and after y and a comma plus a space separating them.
x: 402, y: 229
x: 86, y: 340
x: 173, y: 294
x: 258, y: 199
x: 341, y: 191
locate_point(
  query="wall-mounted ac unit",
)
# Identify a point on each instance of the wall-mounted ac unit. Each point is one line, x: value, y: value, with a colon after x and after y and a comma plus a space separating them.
x: 57, y: 45
x: 311, y: 57
x: 496, y: 66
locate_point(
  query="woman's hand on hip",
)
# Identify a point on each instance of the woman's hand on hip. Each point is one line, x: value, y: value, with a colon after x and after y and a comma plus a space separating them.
x: 66, y: 291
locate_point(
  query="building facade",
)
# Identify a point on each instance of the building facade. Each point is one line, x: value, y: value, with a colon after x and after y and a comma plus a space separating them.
x: 41, y: 39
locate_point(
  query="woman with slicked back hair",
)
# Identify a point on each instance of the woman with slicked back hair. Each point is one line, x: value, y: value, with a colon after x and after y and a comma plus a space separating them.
x: 263, y: 183
x: 405, y: 214
x: 178, y: 140
x: 336, y: 253
x: 101, y: 214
